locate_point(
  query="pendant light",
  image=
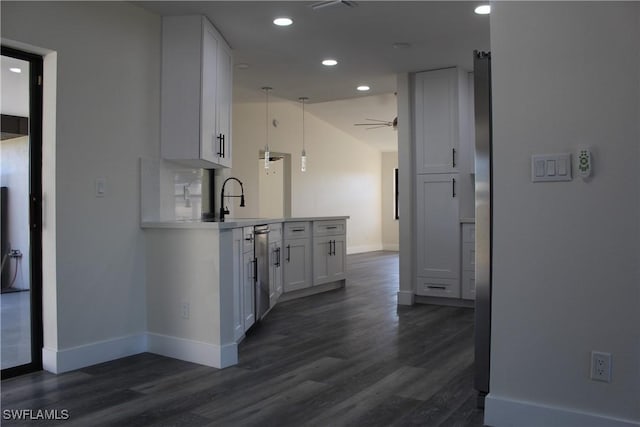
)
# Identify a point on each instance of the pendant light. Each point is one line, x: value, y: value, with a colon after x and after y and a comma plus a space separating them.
x: 267, y: 153
x: 303, y: 157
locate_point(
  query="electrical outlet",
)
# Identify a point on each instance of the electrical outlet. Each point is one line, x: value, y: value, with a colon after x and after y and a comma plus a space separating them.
x: 601, y: 366
x: 185, y: 310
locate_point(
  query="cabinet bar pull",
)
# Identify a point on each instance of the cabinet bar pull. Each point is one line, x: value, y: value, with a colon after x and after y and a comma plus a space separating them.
x: 453, y: 187
x: 255, y: 268
x: 220, y: 139
x: 333, y: 227
x: 453, y: 156
x: 223, y: 146
x: 288, y: 253
x: 278, y: 257
x: 295, y: 230
x: 329, y: 247
x: 436, y: 287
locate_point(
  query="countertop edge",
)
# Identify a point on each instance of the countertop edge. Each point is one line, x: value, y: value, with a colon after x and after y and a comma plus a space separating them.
x: 231, y: 224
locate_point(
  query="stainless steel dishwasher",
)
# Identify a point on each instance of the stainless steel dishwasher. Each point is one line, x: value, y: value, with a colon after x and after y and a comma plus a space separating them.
x: 261, y: 253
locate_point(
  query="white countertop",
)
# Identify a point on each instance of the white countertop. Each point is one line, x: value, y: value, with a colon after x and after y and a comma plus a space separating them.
x: 231, y: 222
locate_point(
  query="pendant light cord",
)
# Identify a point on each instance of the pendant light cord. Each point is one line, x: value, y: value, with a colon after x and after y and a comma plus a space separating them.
x: 266, y: 91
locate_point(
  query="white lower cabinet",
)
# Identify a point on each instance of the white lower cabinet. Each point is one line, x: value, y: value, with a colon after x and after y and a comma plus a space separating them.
x: 468, y: 261
x: 329, y: 252
x: 238, y: 284
x: 249, y: 279
x: 275, y: 263
x: 297, y: 264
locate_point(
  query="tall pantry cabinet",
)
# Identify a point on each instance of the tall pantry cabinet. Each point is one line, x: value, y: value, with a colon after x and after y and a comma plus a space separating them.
x: 440, y: 109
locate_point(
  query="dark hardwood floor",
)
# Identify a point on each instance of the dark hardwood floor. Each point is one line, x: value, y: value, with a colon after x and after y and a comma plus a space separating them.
x: 349, y: 357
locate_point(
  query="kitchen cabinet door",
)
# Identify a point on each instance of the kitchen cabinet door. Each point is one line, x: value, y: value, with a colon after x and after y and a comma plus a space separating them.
x: 436, y: 120
x: 329, y: 259
x: 224, y: 83
x: 297, y: 264
x: 438, y: 230
x: 248, y: 289
x: 275, y: 272
x: 238, y: 285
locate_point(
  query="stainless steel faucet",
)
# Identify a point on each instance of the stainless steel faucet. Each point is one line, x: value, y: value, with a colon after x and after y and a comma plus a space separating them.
x: 223, y: 210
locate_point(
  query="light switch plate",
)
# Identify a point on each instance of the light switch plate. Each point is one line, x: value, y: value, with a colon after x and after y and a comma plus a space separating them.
x: 101, y: 187
x: 551, y: 167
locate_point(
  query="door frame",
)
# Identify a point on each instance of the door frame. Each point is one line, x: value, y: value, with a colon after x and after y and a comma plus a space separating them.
x: 35, y: 208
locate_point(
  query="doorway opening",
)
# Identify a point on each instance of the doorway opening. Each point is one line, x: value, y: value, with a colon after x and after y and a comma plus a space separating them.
x: 274, y: 186
x: 20, y: 212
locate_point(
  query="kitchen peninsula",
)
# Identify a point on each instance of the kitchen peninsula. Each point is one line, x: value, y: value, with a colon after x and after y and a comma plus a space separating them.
x: 201, y: 279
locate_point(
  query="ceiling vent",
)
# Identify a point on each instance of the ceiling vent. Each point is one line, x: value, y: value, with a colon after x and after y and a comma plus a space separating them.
x: 321, y: 4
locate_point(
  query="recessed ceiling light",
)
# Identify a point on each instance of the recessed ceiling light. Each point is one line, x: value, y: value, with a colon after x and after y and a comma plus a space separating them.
x: 329, y: 62
x: 283, y: 21
x: 15, y: 70
x: 363, y: 88
x: 484, y: 9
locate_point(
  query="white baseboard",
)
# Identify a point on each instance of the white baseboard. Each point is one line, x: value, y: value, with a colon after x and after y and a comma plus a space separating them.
x: 363, y: 248
x: 500, y: 411
x: 406, y: 298
x: 59, y: 361
x: 391, y: 247
x: 193, y: 351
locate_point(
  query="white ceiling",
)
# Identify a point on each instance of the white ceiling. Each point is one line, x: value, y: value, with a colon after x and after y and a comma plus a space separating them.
x: 440, y: 34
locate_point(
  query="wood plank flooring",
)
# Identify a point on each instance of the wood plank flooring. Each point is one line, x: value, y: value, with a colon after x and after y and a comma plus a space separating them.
x: 349, y: 357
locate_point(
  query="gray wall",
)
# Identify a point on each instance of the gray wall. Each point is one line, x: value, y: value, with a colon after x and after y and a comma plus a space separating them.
x: 566, y: 261
x: 103, y: 72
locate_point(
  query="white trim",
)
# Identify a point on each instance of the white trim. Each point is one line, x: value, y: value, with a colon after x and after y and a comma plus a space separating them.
x: 406, y: 298
x: 395, y: 247
x: 193, y: 351
x: 364, y: 248
x: 501, y: 411
x: 59, y: 361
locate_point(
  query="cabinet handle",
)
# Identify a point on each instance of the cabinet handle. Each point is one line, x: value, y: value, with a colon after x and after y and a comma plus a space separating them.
x: 295, y: 230
x: 250, y: 238
x: 329, y: 248
x: 277, y: 255
x: 220, y: 138
x: 255, y: 268
x: 252, y: 268
x: 333, y: 227
x: 224, y: 151
x: 436, y: 287
x: 453, y: 187
x: 453, y: 156
x: 288, y: 253
x: 334, y: 247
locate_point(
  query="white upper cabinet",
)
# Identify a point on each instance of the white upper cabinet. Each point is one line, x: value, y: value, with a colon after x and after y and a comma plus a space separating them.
x: 196, y: 93
x: 440, y: 99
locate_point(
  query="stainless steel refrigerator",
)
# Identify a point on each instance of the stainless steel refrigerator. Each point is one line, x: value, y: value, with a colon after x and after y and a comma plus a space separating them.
x: 483, y: 184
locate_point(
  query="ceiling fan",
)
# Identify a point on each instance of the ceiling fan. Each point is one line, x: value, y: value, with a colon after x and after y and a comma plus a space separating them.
x: 375, y: 124
x: 322, y: 4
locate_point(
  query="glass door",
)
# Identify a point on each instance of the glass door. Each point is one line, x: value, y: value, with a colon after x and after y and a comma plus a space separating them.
x: 20, y: 225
